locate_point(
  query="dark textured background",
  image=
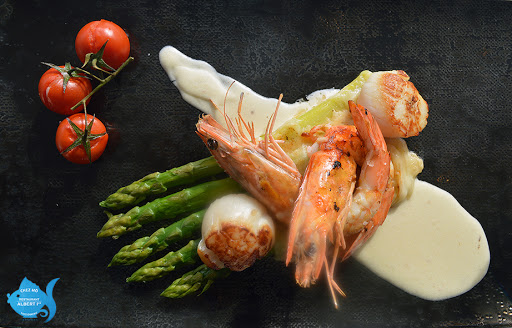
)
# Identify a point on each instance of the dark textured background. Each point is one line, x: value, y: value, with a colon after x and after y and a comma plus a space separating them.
x: 458, y: 55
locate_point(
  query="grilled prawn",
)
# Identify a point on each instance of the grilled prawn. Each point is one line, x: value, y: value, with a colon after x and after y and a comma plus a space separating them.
x: 260, y: 166
x: 328, y: 206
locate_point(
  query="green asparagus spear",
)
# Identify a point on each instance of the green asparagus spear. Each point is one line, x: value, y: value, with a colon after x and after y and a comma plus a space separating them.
x: 334, y: 110
x: 159, y: 240
x: 185, y: 201
x: 171, y: 261
x: 201, y: 277
x: 157, y: 183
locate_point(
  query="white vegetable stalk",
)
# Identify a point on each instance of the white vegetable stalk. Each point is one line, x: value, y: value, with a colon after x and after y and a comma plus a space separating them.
x: 236, y: 232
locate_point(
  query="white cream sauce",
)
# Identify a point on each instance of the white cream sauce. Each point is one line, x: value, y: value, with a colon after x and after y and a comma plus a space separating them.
x: 198, y: 83
x: 428, y: 246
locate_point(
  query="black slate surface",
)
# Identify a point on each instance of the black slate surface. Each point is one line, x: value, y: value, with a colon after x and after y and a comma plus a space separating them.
x: 458, y: 54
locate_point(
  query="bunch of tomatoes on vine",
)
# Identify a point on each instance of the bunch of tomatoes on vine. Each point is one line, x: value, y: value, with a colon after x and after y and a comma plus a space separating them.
x: 104, y: 50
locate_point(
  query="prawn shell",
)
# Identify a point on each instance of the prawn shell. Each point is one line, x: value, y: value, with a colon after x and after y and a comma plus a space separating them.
x: 323, y: 200
x: 272, y: 185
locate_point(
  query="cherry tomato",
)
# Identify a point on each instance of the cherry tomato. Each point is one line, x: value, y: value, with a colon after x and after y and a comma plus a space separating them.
x: 96, y: 138
x: 54, y: 97
x: 92, y: 36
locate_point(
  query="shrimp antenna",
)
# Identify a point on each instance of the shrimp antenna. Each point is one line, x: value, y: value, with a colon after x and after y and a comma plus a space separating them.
x: 270, y: 124
x: 226, y: 95
x: 333, y: 285
x: 226, y: 117
x: 229, y: 123
x: 240, y: 120
x: 281, y: 156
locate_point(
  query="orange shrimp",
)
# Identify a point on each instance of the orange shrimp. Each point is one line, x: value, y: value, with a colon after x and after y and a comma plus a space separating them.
x: 324, y: 206
x: 373, y: 196
x: 260, y: 166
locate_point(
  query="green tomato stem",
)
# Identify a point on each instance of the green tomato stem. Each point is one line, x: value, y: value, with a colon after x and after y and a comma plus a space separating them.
x: 102, y: 82
x: 88, y: 73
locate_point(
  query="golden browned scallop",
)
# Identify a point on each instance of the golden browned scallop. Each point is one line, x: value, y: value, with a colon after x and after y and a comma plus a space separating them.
x: 395, y: 103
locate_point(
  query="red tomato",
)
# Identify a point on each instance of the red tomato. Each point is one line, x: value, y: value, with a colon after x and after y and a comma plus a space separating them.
x: 66, y: 136
x: 52, y: 93
x: 92, y: 36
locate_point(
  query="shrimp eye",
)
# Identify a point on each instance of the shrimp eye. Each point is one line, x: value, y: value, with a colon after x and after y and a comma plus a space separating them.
x: 336, y: 207
x: 212, y: 144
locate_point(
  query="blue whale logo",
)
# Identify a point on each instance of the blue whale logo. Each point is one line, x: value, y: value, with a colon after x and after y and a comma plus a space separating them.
x: 29, y: 300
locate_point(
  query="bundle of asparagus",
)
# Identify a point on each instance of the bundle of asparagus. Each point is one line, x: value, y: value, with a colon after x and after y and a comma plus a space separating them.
x: 192, y: 201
